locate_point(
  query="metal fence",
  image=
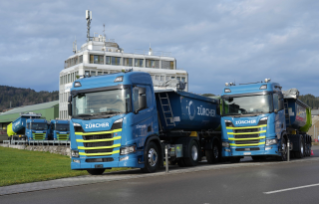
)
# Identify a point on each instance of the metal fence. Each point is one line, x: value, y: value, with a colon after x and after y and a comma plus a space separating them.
x: 37, y: 142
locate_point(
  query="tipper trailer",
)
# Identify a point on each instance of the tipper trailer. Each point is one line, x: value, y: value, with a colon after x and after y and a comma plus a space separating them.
x: 258, y: 119
x: 29, y: 126
x: 119, y: 120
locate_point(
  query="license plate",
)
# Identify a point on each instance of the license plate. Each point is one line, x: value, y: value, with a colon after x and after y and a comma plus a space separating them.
x: 99, y: 166
x: 247, y: 153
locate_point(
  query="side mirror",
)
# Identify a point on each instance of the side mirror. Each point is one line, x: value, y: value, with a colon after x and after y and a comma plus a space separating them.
x: 276, y: 111
x: 70, y: 109
x: 70, y: 99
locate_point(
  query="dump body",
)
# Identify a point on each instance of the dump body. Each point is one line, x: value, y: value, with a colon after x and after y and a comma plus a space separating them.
x: 179, y: 110
x: 59, y: 130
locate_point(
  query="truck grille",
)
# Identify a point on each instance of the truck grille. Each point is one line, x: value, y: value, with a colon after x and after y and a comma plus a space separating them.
x: 98, y: 144
x: 38, y: 136
x: 97, y: 137
x: 100, y: 160
x: 247, y: 149
x: 63, y: 137
x: 246, y: 130
x: 246, y: 136
x: 99, y: 151
x: 247, y: 142
x: 250, y: 136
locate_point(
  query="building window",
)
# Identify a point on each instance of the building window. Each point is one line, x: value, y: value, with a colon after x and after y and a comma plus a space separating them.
x: 113, y: 60
x: 139, y: 63
x: 93, y: 73
x: 162, y: 78
x: 105, y: 72
x: 178, y: 78
x: 128, y: 62
x: 100, y: 73
x: 167, y: 65
x: 87, y: 73
x: 81, y: 59
x: 183, y: 79
x: 152, y: 63
x: 96, y: 59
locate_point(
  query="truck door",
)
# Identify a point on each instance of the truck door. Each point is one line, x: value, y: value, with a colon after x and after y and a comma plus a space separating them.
x: 280, y: 115
x: 143, y: 110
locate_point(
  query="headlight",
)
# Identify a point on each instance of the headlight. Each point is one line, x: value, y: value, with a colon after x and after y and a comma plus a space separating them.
x: 128, y: 150
x: 271, y: 142
x: 117, y: 124
x: 76, y: 161
x: 74, y: 153
x: 225, y: 144
x: 76, y: 125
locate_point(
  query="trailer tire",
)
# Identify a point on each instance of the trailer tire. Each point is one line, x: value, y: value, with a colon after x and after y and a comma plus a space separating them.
x: 300, y: 152
x: 213, y: 155
x: 151, y: 158
x: 95, y: 171
x: 193, y: 154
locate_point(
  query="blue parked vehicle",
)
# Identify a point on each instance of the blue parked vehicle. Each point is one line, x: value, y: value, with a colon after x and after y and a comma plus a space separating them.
x: 260, y: 120
x: 119, y: 120
x: 59, y: 130
x: 29, y: 126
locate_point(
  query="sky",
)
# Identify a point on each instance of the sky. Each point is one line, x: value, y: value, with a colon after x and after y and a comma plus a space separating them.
x: 214, y: 41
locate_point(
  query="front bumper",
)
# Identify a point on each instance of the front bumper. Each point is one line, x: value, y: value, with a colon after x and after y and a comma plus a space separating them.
x: 271, y: 150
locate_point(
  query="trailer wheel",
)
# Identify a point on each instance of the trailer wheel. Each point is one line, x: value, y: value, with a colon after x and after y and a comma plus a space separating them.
x: 152, y: 158
x: 213, y: 156
x: 193, y: 154
x: 96, y: 171
x: 300, y: 152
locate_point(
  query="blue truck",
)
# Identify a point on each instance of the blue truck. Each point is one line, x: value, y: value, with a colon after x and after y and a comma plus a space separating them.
x: 29, y: 126
x: 59, y: 130
x: 119, y: 120
x: 260, y: 120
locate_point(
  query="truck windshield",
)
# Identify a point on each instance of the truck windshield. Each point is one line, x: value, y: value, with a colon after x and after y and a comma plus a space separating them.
x: 39, y: 126
x: 247, y: 105
x: 62, y: 127
x: 102, y: 104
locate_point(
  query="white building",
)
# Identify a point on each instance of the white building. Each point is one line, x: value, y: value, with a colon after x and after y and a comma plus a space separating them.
x: 98, y: 57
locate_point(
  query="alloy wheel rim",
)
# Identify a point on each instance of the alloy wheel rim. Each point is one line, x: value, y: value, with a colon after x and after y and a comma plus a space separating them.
x: 152, y: 157
x: 194, y: 153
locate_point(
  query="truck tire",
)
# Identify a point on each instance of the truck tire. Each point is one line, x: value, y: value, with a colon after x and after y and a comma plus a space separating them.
x: 213, y: 156
x: 193, y: 154
x: 308, y: 148
x: 151, y: 158
x: 96, y: 171
x: 284, y: 149
x: 300, y: 152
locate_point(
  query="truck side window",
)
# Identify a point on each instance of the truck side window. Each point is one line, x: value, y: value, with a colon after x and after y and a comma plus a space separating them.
x: 275, y: 101
x: 139, y: 98
x: 281, y: 102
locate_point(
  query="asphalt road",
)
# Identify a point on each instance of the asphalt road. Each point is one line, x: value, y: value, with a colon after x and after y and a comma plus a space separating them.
x: 295, y: 182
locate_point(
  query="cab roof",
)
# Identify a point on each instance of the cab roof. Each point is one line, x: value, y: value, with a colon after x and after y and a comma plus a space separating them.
x: 257, y: 87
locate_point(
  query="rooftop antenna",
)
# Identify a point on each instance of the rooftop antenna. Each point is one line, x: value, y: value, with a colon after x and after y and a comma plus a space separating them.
x: 88, y: 17
x: 104, y: 31
x: 75, y: 47
x: 150, y: 50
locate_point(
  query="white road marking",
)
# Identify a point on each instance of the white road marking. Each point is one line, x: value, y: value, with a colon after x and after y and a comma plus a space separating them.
x: 290, y: 189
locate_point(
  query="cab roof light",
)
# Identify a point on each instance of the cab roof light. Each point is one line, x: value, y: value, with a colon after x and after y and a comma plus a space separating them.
x: 119, y: 79
x: 226, y: 84
x: 77, y: 84
x: 263, y: 86
x: 227, y: 90
x: 267, y: 80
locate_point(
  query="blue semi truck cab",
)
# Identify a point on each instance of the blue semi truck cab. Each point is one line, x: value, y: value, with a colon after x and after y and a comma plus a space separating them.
x: 255, y: 122
x: 119, y: 120
x: 29, y: 126
x: 59, y: 130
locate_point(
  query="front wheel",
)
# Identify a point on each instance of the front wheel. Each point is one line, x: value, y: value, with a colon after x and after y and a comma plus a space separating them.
x: 95, y: 171
x: 152, y: 158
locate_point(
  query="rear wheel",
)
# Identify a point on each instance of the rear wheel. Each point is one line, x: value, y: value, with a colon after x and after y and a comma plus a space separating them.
x: 193, y: 154
x: 300, y: 152
x: 95, y: 171
x: 213, y: 156
x: 152, y: 158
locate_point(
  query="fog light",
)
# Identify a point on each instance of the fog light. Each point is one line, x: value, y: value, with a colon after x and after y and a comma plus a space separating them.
x: 268, y: 148
x: 124, y: 158
x: 76, y: 161
x: 74, y: 153
x: 227, y: 150
x: 128, y: 150
x: 271, y: 142
x: 225, y: 144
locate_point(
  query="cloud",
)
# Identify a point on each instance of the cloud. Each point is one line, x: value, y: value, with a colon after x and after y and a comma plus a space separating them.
x: 215, y: 41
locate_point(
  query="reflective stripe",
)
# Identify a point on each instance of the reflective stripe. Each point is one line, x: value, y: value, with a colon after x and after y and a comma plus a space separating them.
x: 101, y: 140
x: 242, y: 145
x: 250, y: 127
x: 246, y: 133
x: 255, y: 138
x: 99, y: 154
x: 98, y: 133
x: 102, y: 147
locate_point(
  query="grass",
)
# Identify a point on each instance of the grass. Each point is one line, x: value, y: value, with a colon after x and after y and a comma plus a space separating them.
x: 23, y: 166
